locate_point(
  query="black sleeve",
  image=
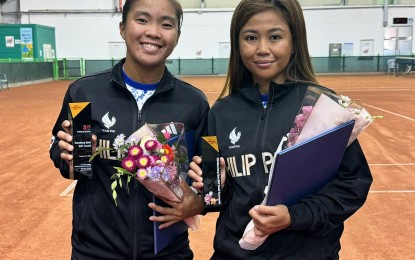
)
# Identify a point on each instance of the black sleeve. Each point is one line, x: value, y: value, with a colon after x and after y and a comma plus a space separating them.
x: 320, y: 213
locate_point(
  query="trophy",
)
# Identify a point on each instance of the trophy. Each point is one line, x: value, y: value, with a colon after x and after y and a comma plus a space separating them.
x: 80, y: 118
x: 211, y: 174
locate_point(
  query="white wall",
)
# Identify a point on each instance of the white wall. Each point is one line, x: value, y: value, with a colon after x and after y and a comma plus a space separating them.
x: 27, y: 5
x: 350, y: 25
x: 326, y: 26
x: 203, y: 31
x: 81, y: 35
x: 88, y: 35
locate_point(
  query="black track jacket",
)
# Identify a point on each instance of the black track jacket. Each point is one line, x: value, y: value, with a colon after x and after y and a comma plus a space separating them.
x: 100, y: 229
x: 248, y: 135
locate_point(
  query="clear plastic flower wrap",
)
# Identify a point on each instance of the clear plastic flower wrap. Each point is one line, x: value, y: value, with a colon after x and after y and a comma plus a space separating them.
x: 322, y: 111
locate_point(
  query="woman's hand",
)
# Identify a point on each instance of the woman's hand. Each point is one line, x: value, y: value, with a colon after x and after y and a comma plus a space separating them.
x: 65, y: 139
x: 196, y: 173
x: 190, y: 206
x: 270, y: 219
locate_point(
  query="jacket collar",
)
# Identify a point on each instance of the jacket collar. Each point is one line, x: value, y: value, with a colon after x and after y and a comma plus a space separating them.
x: 116, y: 75
x: 166, y: 81
x: 276, y: 91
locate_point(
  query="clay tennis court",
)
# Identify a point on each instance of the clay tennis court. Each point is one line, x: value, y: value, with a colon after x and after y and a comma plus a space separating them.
x: 36, y: 202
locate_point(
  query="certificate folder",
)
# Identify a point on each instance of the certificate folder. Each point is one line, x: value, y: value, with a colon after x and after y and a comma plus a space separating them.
x: 306, y: 167
x: 163, y: 237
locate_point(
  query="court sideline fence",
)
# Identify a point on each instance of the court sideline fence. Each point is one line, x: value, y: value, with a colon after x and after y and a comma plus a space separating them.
x: 20, y: 71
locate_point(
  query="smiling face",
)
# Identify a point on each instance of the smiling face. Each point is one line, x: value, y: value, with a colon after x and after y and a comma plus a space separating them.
x: 150, y: 31
x: 265, y: 45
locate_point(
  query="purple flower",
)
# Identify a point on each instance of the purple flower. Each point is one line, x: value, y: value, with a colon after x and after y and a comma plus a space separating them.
x: 155, y: 172
x: 299, y: 121
x: 166, y: 176
x: 307, y: 110
x: 171, y: 169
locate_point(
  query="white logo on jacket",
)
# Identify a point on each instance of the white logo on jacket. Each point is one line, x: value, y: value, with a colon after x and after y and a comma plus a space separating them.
x: 234, y: 137
x: 108, y: 123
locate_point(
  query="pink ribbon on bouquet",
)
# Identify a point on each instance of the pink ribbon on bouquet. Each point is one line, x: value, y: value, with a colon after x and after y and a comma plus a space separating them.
x: 249, y: 240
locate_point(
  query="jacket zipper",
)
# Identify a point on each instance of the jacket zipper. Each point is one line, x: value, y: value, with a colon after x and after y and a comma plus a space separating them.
x: 140, y: 123
x: 139, y: 116
x: 262, y: 136
x: 135, y: 185
x: 133, y: 211
x: 264, y: 111
x: 259, y: 144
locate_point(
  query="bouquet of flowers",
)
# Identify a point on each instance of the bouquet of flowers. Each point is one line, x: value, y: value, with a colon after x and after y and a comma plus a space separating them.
x: 323, y: 111
x: 156, y: 156
x: 320, y: 111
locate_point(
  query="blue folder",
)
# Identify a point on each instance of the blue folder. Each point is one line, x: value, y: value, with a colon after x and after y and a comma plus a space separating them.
x: 305, y: 168
x: 163, y: 237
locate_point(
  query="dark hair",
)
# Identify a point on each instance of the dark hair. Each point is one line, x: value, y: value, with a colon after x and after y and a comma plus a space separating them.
x: 176, y: 5
x: 299, y: 67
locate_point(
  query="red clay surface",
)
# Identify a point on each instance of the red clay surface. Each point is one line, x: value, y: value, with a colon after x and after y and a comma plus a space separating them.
x: 35, y: 221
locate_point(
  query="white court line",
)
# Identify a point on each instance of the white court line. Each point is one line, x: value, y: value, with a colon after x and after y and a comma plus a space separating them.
x: 392, y: 191
x: 374, y: 90
x: 68, y: 189
x: 391, y: 164
x: 390, y: 112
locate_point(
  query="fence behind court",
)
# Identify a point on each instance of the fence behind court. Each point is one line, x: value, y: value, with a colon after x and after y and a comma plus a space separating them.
x: 19, y: 71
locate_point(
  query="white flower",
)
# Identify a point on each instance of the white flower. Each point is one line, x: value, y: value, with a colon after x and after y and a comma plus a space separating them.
x: 344, y: 101
x: 131, y: 141
x: 356, y: 111
x: 119, y: 141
